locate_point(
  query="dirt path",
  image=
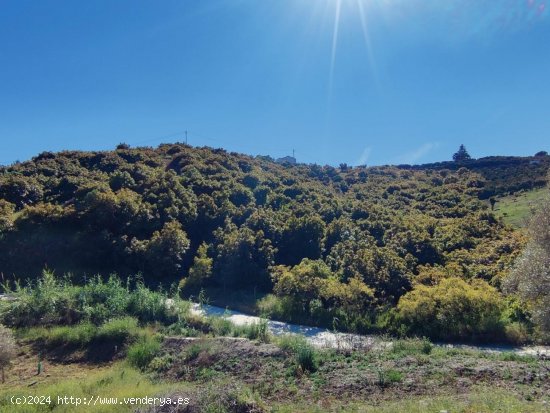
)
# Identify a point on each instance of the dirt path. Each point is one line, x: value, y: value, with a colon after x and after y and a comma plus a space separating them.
x: 320, y: 337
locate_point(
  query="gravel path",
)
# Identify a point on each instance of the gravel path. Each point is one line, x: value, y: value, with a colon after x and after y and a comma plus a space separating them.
x: 320, y: 337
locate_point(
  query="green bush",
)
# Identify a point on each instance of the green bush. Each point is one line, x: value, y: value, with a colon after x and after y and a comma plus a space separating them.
x: 150, y: 306
x: 388, y: 377
x: 304, y: 353
x: 143, y: 351
x: 79, y: 335
x: 306, y: 358
x: 118, y: 330
x: 452, y: 310
x: 52, y: 300
x: 193, y: 351
x: 413, y: 346
x: 221, y: 326
x: 291, y: 342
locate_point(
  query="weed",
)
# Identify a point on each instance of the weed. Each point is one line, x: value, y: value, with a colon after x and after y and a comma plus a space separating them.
x: 142, y: 352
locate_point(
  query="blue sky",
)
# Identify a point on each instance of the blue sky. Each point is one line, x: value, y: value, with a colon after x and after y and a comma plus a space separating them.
x: 356, y: 81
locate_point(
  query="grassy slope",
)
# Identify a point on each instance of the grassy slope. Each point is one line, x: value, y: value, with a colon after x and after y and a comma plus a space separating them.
x: 517, y: 209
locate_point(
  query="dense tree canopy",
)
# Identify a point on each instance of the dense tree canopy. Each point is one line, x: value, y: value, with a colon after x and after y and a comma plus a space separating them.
x: 359, y: 237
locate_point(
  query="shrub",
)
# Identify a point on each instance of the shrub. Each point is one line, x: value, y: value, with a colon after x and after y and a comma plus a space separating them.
x: 79, y: 335
x: 387, y: 377
x: 149, y: 305
x: 258, y: 331
x: 452, y: 310
x: 221, y: 326
x: 306, y: 358
x: 304, y: 352
x: 142, y: 352
x: 291, y: 342
x: 412, y: 346
x: 517, y: 333
x: 193, y: 351
x: 52, y: 300
x: 118, y: 330
x: 49, y: 301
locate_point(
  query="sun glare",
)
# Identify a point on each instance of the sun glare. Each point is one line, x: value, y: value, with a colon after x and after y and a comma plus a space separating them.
x: 353, y: 7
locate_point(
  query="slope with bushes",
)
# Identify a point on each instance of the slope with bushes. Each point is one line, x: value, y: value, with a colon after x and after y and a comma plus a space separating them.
x: 330, y: 243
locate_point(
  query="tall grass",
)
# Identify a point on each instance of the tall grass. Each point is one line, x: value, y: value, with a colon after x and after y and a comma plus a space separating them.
x: 116, y: 331
x: 119, y: 380
x: 142, y: 352
x: 52, y: 300
x: 304, y: 353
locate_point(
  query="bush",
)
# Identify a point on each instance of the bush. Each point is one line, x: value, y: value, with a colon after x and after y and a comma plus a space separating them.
x: 258, y: 331
x: 306, y: 358
x: 221, y: 326
x: 149, y: 305
x: 193, y: 351
x: 118, y: 330
x: 291, y: 342
x: 304, y: 352
x: 388, y: 377
x: 52, y: 300
x: 452, y: 310
x: 517, y: 333
x: 79, y: 335
x: 142, y: 352
x: 412, y: 346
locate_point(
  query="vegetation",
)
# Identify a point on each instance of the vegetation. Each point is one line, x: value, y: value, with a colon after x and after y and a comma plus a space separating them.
x: 453, y: 310
x: 141, y: 353
x: 51, y: 300
x: 217, y: 372
x: 7, y: 350
x: 531, y: 275
x: 334, y: 247
x: 518, y: 209
x: 461, y: 155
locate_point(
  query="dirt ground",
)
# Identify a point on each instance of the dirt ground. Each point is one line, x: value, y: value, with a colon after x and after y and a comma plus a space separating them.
x: 374, y: 375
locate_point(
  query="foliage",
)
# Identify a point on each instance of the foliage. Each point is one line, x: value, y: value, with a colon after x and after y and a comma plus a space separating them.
x: 311, y: 290
x: 531, y: 275
x: 229, y: 221
x: 452, y: 310
x: 405, y: 347
x: 51, y: 300
x: 304, y: 353
x: 461, y: 155
x: 143, y: 351
x: 201, y: 270
x: 166, y: 250
x: 85, y: 335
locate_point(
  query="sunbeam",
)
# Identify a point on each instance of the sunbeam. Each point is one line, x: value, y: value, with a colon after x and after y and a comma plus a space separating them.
x: 334, y: 45
x: 366, y: 36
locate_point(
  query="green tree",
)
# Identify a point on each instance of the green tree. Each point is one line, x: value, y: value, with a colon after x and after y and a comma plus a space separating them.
x: 243, y: 258
x: 461, y: 155
x: 201, y: 270
x: 302, y: 238
x: 166, y: 250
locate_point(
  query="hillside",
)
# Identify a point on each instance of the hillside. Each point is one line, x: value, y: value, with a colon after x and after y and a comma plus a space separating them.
x: 328, y: 242
x: 503, y: 175
x: 517, y: 209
